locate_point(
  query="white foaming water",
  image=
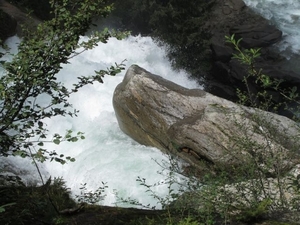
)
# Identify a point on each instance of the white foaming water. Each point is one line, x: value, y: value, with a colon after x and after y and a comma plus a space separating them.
x: 107, y: 154
x: 285, y: 14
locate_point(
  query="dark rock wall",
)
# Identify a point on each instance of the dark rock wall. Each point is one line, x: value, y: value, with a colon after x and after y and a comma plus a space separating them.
x: 8, y: 26
x: 13, y: 16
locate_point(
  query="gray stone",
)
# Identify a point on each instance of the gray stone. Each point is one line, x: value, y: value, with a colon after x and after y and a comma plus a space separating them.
x: 197, y: 126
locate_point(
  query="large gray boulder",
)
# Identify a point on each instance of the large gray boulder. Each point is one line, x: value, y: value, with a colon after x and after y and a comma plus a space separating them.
x: 197, y: 126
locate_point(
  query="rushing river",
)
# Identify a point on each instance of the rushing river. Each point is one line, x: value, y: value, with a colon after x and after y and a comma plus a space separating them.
x: 107, y: 155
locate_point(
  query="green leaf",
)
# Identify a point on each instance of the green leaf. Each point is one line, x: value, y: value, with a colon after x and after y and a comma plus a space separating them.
x: 56, y: 141
x: 2, y: 207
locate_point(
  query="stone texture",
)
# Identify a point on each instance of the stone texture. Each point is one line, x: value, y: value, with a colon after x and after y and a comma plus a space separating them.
x: 195, y: 125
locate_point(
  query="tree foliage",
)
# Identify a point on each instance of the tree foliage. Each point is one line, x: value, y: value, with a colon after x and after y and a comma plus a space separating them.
x: 32, y: 74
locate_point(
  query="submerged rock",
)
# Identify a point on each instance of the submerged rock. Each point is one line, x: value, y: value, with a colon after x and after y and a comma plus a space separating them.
x: 197, y: 126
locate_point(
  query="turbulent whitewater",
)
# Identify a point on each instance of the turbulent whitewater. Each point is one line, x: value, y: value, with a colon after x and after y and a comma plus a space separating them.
x: 106, y: 155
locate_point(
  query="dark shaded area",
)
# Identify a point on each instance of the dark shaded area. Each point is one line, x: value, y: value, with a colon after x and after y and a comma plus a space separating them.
x: 40, y: 8
x: 194, y: 32
x: 105, y: 215
x: 176, y: 23
x: 32, y: 205
x: 8, y: 26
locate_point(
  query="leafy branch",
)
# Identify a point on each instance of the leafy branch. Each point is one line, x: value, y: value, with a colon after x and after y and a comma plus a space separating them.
x: 32, y: 75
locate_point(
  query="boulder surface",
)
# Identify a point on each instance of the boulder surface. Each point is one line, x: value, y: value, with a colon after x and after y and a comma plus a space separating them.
x: 197, y: 126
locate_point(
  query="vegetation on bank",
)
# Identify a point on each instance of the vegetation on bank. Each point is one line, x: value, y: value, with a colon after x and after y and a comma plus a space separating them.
x: 242, y: 197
